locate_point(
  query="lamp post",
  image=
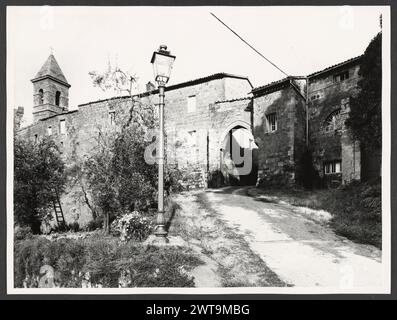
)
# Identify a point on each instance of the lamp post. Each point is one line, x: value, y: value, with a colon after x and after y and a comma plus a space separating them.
x: 162, y: 62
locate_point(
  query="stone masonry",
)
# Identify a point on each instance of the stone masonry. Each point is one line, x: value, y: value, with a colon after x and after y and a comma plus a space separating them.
x: 199, y: 117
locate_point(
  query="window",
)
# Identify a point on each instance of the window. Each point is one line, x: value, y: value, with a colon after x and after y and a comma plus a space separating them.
x: 192, y: 138
x: 341, y: 76
x: 49, y: 130
x: 57, y: 98
x: 271, y: 122
x: 41, y: 96
x: 191, y: 104
x: 36, y: 138
x: 62, y: 126
x: 331, y: 167
x: 332, y: 122
x: 112, y: 117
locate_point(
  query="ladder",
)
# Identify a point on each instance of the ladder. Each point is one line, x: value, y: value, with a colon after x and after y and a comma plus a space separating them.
x: 58, y: 209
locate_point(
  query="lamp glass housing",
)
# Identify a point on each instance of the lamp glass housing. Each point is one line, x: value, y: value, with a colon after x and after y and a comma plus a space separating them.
x: 162, y: 65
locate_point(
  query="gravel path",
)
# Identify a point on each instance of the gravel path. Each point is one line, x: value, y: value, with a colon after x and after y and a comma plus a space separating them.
x: 301, y: 251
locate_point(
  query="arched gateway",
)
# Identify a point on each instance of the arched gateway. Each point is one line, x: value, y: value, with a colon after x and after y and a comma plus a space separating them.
x: 237, y: 154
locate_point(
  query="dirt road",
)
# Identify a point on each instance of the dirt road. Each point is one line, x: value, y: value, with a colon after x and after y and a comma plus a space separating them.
x: 294, y: 247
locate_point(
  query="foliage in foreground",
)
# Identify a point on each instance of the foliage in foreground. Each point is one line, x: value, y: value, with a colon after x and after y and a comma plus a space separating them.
x: 133, y: 226
x: 38, y: 169
x: 105, y: 260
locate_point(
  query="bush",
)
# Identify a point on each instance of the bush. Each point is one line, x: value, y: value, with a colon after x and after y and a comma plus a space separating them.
x: 38, y: 169
x: 357, y: 212
x: 104, y: 260
x: 74, y: 226
x: 132, y: 226
x: 95, y: 224
x: 21, y: 233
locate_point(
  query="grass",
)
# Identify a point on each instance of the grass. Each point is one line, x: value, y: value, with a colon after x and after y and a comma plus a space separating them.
x: 237, y: 264
x: 105, y: 259
x: 355, y: 208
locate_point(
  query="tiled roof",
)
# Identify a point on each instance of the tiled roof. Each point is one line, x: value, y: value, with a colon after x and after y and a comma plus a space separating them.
x: 335, y: 66
x: 59, y: 114
x: 280, y: 83
x: 215, y: 76
x: 275, y: 84
x: 50, y: 69
x: 233, y: 100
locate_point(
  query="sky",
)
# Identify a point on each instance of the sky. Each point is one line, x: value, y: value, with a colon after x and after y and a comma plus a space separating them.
x: 300, y: 40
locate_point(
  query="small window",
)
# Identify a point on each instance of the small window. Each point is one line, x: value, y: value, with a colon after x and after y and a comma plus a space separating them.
x: 57, y: 98
x: 191, y: 104
x: 36, y: 138
x: 192, y: 138
x: 332, y: 123
x: 331, y: 167
x: 49, y: 130
x: 271, y: 122
x: 41, y: 96
x: 341, y: 76
x: 112, y: 117
x: 62, y: 126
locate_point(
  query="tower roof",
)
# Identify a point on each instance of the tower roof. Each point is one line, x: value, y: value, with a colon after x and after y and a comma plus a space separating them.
x: 52, y: 70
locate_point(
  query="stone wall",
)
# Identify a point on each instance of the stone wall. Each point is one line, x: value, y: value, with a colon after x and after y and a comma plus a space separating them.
x: 225, y: 116
x: 193, y: 134
x: 326, y: 96
x: 279, y: 150
x: 48, y: 107
x: 83, y: 129
x: 189, y: 132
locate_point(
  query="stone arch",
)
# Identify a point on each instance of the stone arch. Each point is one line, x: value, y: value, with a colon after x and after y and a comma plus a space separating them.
x: 58, y: 98
x: 41, y: 96
x: 234, y: 124
x: 238, y: 175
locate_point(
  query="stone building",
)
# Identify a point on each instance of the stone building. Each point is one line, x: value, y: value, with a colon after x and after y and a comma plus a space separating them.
x: 208, y: 119
x: 286, y: 127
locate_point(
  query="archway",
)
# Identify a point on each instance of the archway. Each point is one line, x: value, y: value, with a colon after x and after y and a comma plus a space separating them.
x: 237, y: 154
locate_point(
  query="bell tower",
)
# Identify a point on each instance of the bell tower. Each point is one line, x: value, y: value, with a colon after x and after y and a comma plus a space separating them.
x: 50, y: 90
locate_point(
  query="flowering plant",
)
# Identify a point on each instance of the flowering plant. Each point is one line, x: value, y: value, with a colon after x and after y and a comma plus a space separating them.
x: 133, y: 226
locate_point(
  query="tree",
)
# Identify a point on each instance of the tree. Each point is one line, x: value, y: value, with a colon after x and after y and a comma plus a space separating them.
x: 365, y: 118
x: 38, y: 170
x: 119, y: 180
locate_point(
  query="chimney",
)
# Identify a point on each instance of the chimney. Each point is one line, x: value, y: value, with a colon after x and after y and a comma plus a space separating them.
x: 150, y: 86
x: 18, y: 115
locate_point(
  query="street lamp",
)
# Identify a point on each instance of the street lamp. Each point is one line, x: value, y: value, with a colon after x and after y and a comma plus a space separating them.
x: 162, y: 62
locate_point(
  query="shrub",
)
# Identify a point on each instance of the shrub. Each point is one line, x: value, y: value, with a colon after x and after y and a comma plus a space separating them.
x: 132, y: 226
x: 95, y: 224
x: 104, y: 260
x: 38, y: 169
x: 21, y: 233
x: 357, y: 212
x: 74, y: 226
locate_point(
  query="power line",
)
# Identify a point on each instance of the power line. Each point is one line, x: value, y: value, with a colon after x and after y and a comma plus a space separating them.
x: 235, y: 33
